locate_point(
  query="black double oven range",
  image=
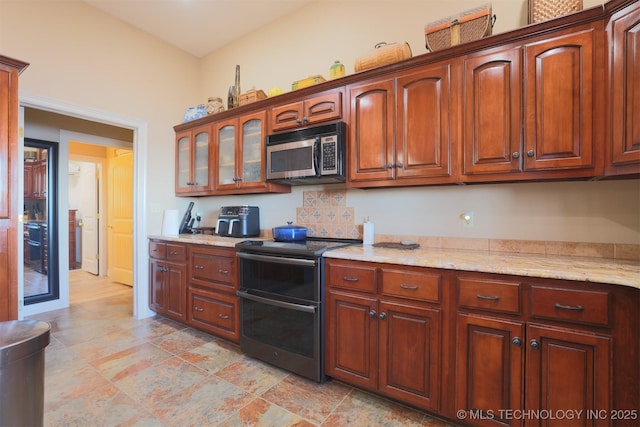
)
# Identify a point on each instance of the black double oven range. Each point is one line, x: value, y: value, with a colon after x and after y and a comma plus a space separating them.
x: 281, y: 302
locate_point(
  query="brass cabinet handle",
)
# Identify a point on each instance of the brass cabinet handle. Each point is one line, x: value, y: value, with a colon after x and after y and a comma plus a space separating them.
x: 223, y: 316
x: 198, y: 309
x: 223, y: 271
x: 350, y: 279
x: 409, y: 287
x: 569, y: 307
x: 199, y: 267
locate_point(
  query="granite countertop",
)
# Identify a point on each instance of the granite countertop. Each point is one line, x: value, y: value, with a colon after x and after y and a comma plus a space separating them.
x: 206, y: 239
x: 597, y: 270
x: 584, y: 269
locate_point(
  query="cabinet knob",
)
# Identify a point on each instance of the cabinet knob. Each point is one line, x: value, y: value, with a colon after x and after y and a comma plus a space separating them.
x: 516, y: 341
x: 389, y: 166
x: 372, y: 313
x: 238, y: 178
x: 530, y: 153
x: 298, y: 121
x: 383, y: 315
x: 305, y: 119
x: 515, y: 155
x: 399, y: 165
x: 534, y: 344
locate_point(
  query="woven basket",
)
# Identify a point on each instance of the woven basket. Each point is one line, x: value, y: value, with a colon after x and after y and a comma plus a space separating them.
x: 383, y: 54
x: 542, y: 10
x: 467, y: 26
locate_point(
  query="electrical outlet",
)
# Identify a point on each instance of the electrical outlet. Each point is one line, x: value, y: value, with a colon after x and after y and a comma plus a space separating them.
x: 467, y: 219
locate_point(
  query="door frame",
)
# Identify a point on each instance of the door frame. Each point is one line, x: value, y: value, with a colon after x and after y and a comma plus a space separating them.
x: 140, y: 249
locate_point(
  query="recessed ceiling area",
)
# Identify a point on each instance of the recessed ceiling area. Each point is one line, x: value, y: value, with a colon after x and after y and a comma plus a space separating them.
x: 198, y: 27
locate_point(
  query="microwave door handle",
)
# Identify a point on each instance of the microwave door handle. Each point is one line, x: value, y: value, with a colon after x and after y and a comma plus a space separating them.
x: 316, y: 157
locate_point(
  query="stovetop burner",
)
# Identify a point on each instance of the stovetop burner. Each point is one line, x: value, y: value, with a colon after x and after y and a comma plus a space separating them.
x: 312, y: 246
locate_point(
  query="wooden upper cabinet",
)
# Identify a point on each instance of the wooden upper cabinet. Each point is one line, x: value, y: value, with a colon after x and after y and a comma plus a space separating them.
x: 193, y: 152
x: 319, y: 108
x: 623, y: 36
x: 531, y: 111
x: 561, y: 126
x: 492, y: 118
x: 371, y: 137
x: 401, y: 128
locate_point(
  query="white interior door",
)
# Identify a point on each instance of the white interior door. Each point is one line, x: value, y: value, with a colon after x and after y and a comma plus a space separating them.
x: 89, y: 189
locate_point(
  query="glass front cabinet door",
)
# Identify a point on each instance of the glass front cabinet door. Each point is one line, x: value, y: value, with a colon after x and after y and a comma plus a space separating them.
x: 240, y: 152
x: 193, y: 148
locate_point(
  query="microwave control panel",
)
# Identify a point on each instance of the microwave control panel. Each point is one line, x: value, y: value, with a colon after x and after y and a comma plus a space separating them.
x: 329, y: 146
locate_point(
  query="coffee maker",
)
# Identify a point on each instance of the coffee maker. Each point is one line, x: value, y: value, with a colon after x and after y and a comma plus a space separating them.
x: 238, y: 221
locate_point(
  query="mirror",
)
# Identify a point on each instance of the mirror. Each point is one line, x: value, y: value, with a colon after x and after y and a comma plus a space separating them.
x: 40, y: 231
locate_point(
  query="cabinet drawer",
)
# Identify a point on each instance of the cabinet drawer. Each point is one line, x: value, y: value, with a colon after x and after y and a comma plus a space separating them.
x: 214, y: 312
x: 353, y: 276
x: 206, y: 267
x: 490, y: 295
x: 157, y: 250
x: 176, y: 252
x: 573, y: 305
x: 414, y: 285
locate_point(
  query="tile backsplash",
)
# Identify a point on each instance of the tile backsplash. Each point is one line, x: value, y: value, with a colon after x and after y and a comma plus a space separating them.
x: 325, y: 214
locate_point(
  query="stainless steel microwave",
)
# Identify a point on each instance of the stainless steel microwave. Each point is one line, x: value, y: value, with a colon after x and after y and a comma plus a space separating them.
x: 313, y: 155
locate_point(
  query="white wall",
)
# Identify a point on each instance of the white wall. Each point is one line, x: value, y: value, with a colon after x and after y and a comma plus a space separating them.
x: 81, y: 56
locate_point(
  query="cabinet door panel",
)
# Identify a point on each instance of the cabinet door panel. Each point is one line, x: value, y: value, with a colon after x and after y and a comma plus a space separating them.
x: 567, y: 370
x: 156, y: 291
x: 489, y: 368
x: 371, y: 131
x: 226, y: 145
x: 625, y: 90
x: 201, y: 159
x: 324, y: 107
x: 351, y: 336
x: 176, y: 292
x: 559, y: 102
x: 423, y: 127
x: 410, y: 353
x: 251, y: 147
x: 492, y: 118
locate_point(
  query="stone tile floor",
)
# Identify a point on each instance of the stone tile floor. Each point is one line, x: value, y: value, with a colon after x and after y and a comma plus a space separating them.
x: 105, y: 368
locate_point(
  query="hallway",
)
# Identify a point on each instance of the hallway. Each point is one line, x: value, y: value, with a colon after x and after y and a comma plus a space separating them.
x: 105, y: 368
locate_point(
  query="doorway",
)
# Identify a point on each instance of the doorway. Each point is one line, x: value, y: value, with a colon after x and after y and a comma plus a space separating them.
x: 139, y: 147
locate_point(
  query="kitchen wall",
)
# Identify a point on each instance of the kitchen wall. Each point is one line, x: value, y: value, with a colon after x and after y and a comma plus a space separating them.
x: 81, y: 56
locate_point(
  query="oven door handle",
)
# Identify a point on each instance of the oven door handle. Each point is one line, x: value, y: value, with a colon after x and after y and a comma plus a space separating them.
x: 276, y: 303
x: 277, y: 259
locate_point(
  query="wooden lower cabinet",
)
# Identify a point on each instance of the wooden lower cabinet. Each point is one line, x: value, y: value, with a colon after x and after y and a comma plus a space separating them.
x: 167, y: 279
x: 196, y: 285
x: 534, y: 352
x: 486, y: 349
x: 380, y: 343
